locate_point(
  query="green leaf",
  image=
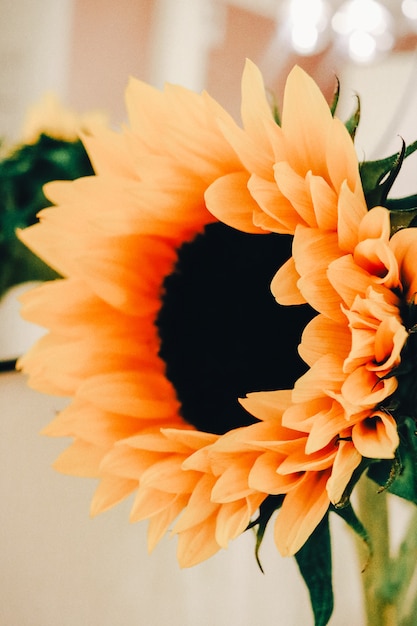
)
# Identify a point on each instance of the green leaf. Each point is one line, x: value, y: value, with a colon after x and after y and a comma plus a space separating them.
x: 314, y: 560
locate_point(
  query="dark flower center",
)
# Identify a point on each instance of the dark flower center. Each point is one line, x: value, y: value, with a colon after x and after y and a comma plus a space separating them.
x: 222, y: 333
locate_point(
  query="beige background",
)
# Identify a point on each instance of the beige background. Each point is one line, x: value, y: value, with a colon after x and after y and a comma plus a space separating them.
x: 59, y: 567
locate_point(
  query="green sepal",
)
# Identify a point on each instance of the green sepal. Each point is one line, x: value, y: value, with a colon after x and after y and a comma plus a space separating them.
x: 266, y: 510
x: 276, y: 113
x: 274, y: 107
x: 400, y: 476
x: 314, y: 560
x: 353, y: 122
x: 336, y: 95
x: 378, y: 176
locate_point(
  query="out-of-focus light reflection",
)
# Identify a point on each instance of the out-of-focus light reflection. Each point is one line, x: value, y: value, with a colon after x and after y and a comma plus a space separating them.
x: 308, y: 25
x: 409, y: 9
x: 364, y: 29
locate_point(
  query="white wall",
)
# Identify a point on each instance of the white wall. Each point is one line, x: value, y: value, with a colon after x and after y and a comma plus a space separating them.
x: 34, y: 55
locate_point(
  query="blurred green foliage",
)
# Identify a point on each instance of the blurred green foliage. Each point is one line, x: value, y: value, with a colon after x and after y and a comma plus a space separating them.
x: 22, y: 176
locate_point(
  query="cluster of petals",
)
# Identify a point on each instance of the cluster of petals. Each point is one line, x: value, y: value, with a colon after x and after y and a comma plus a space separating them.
x: 114, y: 238
x: 354, y: 347
x: 311, y: 439
x: 301, y: 172
x: 304, y: 180
x: 180, y: 164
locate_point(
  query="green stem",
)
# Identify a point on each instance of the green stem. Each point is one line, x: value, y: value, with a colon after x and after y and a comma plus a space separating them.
x: 405, y: 565
x: 373, y: 512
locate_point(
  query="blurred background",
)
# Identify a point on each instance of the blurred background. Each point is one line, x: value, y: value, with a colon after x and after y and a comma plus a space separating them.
x: 58, y: 567
x: 85, y: 50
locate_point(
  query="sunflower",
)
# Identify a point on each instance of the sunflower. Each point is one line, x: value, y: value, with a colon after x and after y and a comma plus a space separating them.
x: 50, y: 117
x: 162, y: 319
x: 164, y: 316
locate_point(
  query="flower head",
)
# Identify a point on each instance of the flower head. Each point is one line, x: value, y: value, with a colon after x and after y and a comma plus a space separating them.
x: 50, y: 117
x: 162, y: 319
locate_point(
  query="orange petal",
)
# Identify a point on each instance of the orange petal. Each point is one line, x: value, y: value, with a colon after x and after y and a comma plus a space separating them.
x: 284, y: 285
x: 264, y: 477
x: 346, y: 461
x: 303, y: 509
x: 404, y: 245
x: 342, y: 160
x: 351, y: 210
x: 233, y: 483
x: 320, y: 337
x: 111, y: 491
x: 324, y: 201
x: 306, y: 123
x: 375, y: 224
x: 198, y: 543
x: 131, y: 394
x: 325, y: 375
x: 159, y: 524
x: 376, y: 436
x: 81, y: 458
x: 267, y: 405
x: 233, y: 519
x: 364, y: 389
x: 229, y: 200
x: 295, y: 188
x: 149, y: 502
x: 199, y: 506
x: 279, y: 211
